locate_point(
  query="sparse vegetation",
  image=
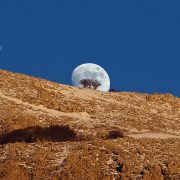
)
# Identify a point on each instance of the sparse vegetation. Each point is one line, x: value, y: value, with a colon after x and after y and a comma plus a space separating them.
x: 90, y: 83
x: 106, y: 137
x: 113, y: 90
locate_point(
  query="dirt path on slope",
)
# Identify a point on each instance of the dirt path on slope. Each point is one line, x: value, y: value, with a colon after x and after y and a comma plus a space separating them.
x: 50, y: 112
x: 84, y: 117
x: 152, y: 135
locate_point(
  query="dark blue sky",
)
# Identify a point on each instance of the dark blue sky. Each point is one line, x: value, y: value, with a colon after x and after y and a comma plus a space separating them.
x: 137, y: 42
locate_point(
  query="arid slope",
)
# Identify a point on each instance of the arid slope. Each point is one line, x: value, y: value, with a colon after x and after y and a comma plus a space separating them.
x: 54, y: 131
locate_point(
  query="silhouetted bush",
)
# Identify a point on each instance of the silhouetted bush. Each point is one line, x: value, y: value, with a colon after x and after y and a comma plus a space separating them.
x: 90, y: 83
x: 36, y: 133
x: 115, y: 134
x: 114, y: 90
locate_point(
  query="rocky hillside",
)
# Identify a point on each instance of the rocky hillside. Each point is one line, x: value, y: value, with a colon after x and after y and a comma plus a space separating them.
x: 54, y: 131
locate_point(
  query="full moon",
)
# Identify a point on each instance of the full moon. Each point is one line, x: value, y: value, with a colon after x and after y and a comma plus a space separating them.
x: 93, y: 72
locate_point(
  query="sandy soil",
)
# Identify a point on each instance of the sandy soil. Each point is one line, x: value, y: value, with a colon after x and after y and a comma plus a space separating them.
x: 117, y: 135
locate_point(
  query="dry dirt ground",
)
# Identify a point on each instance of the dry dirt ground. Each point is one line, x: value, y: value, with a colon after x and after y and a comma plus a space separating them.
x: 53, y: 131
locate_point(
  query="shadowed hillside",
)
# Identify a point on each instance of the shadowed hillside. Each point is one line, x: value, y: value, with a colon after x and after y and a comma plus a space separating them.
x: 35, y: 134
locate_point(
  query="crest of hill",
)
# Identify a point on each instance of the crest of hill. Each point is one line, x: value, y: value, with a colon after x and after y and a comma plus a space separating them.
x: 85, y: 130
x: 82, y: 106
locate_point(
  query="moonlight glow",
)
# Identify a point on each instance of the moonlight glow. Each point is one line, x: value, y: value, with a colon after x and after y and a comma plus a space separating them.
x: 91, y: 71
